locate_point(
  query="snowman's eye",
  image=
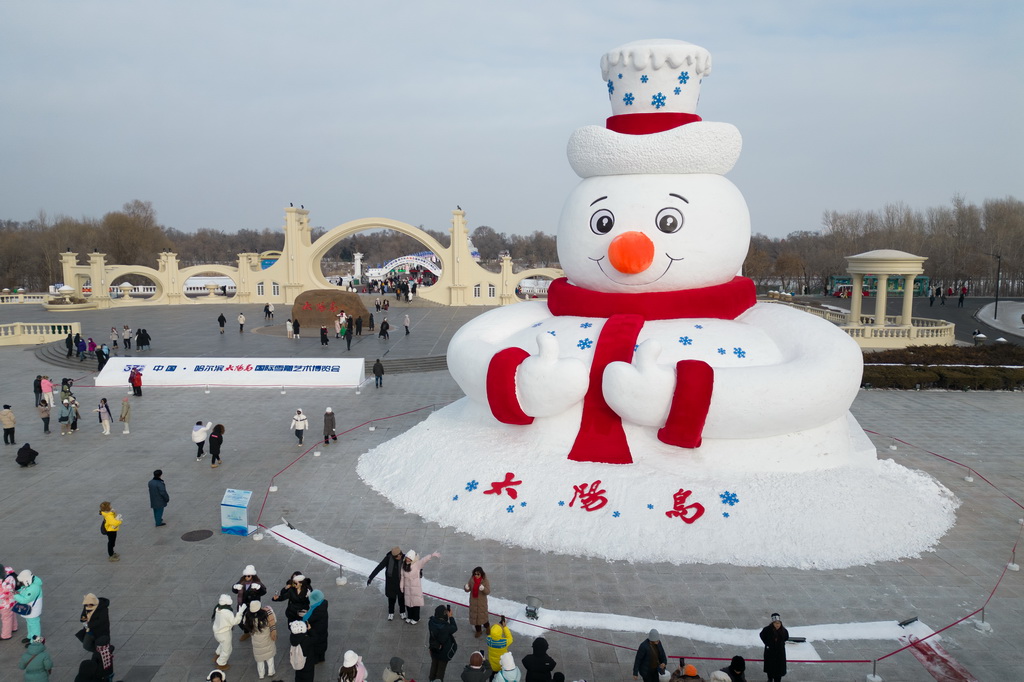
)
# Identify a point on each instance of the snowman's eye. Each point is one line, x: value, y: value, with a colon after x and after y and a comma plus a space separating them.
x: 669, y: 220
x: 602, y: 221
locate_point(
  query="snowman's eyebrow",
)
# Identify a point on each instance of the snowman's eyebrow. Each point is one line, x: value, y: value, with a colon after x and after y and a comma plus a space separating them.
x: 676, y: 196
x: 597, y: 200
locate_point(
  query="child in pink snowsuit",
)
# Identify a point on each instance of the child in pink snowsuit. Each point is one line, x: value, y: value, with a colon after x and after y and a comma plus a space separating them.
x: 8, y: 619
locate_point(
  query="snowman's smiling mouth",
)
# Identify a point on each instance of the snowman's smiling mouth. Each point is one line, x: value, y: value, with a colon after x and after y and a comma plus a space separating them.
x: 671, y: 261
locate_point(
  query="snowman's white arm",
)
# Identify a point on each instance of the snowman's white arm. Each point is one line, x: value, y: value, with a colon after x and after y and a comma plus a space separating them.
x: 471, y: 349
x: 815, y: 384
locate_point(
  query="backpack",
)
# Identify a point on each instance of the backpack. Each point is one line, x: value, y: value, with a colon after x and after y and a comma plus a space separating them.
x: 297, y: 658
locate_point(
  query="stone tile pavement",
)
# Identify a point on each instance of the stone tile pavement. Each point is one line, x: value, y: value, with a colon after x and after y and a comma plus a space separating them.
x: 164, y: 589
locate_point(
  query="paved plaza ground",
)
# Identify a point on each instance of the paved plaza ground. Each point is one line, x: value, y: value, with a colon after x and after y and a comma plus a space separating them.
x: 164, y: 589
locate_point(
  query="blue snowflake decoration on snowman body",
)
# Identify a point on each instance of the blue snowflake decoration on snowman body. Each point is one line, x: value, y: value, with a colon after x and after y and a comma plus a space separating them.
x: 658, y: 101
x: 616, y: 514
x: 510, y: 508
x: 686, y: 340
x: 729, y: 498
x: 584, y: 344
x: 628, y: 99
x: 586, y: 325
x: 739, y: 352
x: 722, y: 351
x: 472, y: 485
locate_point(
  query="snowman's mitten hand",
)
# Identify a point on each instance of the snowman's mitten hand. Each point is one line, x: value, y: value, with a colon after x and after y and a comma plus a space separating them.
x: 547, y: 384
x: 641, y: 392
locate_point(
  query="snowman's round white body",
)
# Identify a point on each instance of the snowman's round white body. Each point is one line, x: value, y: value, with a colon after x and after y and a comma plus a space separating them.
x: 650, y: 380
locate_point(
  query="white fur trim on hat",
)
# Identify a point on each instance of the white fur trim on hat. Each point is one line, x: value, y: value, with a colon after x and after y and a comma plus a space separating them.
x: 225, y: 600
x: 350, y: 659
x: 223, y: 675
x: 297, y: 627
x: 699, y: 147
x: 249, y: 570
x: 507, y: 662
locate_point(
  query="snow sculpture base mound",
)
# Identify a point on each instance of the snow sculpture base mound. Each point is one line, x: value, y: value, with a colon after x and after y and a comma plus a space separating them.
x: 462, y: 470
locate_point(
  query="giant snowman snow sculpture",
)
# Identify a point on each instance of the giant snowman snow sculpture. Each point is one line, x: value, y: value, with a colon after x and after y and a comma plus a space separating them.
x: 652, y: 353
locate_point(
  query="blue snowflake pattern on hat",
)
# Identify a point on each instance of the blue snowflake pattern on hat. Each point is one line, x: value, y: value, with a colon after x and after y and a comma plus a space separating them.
x: 658, y: 101
x: 683, y: 77
x: 677, y: 91
x: 643, y: 78
x: 611, y: 87
x: 628, y: 99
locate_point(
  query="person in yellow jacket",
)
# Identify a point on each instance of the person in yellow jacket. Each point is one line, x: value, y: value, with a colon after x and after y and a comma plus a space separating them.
x: 111, y: 522
x: 498, y: 642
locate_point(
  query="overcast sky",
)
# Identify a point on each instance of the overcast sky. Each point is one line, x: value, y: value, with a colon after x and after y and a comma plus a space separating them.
x: 221, y: 112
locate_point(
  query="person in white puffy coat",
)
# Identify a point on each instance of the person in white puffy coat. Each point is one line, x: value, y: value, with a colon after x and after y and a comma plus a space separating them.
x: 299, y: 424
x: 225, y: 617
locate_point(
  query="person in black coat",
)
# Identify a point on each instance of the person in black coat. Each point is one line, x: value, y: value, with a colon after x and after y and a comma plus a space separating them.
x: 736, y: 670
x: 441, y: 642
x: 95, y: 620
x: 317, y: 621
x: 391, y: 564
x: 296, y: 593
x: 26, y: 456
x: 300, y: 637
x: 774, y: 636
x: 650, y: 658
x: 538, y: 665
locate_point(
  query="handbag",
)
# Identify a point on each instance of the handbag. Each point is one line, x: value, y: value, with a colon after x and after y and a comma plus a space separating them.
x: 63, y: 418
x: 103, y: 527
x: 24, y: 609
x: 297, y: 658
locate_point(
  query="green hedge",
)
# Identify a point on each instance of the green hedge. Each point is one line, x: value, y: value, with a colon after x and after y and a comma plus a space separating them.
x: 952, y: 378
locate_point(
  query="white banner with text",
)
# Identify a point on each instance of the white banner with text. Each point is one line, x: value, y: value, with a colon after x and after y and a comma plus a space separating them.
x: 247, y: 372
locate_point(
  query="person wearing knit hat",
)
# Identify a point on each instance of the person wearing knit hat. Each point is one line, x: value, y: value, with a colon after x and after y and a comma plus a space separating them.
x: 329, y: 427
x: 30, y: 591
x: 391, y: 564
x: 8, y: 619
x: 441, y: 628
x: 499, y: 639
x: 296, y: 593
x: 317, y: 620
x: 225, y: 617
x: 260, y: 624
x: 248, y: 588
x: 774, y: 636
x: 538, y: 665
x: 412, y: 585
x: 736, y: 670
x: 36, y: 661
x: 475, y: 670
x: 650, y: 659
x: 685, y: 673
x: 352, y: 668
x: 509, y: 672
x: 394, y: 672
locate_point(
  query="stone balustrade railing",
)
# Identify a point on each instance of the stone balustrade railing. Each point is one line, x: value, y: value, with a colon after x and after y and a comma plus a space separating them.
x: 15, y: 333
x: 23, y: 298
x: 922, y: 330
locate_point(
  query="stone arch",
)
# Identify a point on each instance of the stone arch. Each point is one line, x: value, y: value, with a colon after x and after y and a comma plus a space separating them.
x: 546, y: 273
x: 121, y: 272
x: 413, y: 260
x: 195, y: 270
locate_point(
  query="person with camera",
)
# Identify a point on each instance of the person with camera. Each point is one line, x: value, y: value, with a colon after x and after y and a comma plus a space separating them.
x: 441, y: 628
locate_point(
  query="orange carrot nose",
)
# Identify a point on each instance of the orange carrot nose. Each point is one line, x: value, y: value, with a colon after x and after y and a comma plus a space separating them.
x: 631, y: 252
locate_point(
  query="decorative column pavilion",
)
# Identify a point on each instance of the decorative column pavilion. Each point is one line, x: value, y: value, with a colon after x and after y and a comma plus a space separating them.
x: 879, y: 331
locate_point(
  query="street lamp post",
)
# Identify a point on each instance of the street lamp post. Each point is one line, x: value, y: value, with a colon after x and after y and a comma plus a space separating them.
x: 999, y: 269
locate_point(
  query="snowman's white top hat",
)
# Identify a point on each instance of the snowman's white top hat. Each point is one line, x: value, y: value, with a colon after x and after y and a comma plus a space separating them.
x: 654, y: 86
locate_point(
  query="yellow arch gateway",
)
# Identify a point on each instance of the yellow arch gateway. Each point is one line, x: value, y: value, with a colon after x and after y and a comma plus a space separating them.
x: 462, y: 281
